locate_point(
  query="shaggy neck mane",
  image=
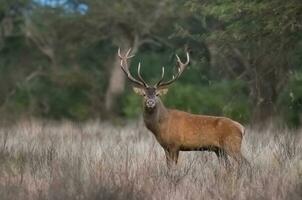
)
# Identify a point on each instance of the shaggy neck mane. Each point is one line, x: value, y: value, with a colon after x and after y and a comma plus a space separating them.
x: 153, y: 117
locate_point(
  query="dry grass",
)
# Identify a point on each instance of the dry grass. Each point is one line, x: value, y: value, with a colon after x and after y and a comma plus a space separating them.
x: 44, y: 160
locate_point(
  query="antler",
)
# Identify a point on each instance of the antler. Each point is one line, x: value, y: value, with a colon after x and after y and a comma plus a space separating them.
x: 181, y: 67
x: 125, y: 68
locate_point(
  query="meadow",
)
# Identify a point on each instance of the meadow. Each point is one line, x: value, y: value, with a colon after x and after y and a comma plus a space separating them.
x: 97, y: 160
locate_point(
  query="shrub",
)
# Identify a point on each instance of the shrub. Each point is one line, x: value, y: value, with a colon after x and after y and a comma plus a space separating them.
x: 227, y: 98
x: 290, y: 101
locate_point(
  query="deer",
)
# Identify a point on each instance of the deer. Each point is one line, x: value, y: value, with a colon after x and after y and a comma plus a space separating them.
x: 177, y: 130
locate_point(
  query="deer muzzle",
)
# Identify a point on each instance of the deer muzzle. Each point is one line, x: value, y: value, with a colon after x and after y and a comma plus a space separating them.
x: 150, y: 103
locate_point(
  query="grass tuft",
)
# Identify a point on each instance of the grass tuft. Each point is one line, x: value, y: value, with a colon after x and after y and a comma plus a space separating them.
x: 47, y: 160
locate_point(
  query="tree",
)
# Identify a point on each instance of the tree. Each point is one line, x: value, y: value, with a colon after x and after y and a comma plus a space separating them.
x: 253, y: 41
x: 128, y: 24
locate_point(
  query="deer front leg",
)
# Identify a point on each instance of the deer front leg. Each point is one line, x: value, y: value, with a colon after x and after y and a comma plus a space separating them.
x: 223, y: 158
x: 171, y: 157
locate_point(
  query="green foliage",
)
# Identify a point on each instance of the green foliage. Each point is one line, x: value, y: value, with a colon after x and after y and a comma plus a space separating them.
x: 227, y: 98
x: 132, y: 105
x: 241, y: 51
x: 290, y: 100
x: 256, y: 41
x: 63, y: 96
x: 251, y: 19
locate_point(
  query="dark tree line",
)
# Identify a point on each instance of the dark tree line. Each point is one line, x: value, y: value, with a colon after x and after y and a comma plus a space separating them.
x: 58, y: 59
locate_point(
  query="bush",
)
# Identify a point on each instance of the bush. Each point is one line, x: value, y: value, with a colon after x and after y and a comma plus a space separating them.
x: 66, y: 95
x: 290, y: 101
x: 226, y: 98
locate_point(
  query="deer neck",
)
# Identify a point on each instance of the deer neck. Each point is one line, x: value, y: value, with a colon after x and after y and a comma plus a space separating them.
x: 154, y: 117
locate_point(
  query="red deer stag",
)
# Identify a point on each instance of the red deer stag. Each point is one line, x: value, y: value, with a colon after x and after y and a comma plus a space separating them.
x: 181, y: 131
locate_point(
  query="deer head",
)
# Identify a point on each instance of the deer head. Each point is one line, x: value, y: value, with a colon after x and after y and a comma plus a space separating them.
x: 150, y: 93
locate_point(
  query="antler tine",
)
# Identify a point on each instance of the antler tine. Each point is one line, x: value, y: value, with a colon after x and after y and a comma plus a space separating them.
x: 181, y: 67
x: 162, y: 77
x: 125, y: 68
x: 128, y: 52
x: 162, y: 73
x: 119, y: 52
x: 140, y: 76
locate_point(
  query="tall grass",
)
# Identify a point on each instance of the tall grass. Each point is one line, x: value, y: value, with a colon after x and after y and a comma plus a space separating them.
x: 46, y: 160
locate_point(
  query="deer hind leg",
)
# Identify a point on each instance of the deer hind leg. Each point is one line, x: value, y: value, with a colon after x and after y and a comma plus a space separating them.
x: 171, y: 157
x: 232, y: 147
x: 222, y: 158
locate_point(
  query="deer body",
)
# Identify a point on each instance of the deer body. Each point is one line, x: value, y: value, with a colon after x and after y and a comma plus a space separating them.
x: 181, y: 131
x: 187, y: 132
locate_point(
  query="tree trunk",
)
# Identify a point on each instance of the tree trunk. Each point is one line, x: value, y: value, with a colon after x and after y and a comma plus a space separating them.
x: 264, y: 94
x: 263, y: 86
x: 117, y: 78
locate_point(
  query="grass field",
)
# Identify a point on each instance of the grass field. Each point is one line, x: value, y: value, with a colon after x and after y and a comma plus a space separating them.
x: 47, y: 160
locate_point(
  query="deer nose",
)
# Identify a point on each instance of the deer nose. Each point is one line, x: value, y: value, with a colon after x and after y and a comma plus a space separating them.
x: 150, y: 103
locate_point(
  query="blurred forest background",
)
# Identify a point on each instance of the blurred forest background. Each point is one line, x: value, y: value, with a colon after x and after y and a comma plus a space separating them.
x: 58, y: 58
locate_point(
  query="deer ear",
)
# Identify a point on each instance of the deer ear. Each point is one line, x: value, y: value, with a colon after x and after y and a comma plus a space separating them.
x: 139, y: 91
x: 162, y: 91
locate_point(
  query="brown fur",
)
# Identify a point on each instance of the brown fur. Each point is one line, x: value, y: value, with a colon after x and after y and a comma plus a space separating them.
x: 181, y: 131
